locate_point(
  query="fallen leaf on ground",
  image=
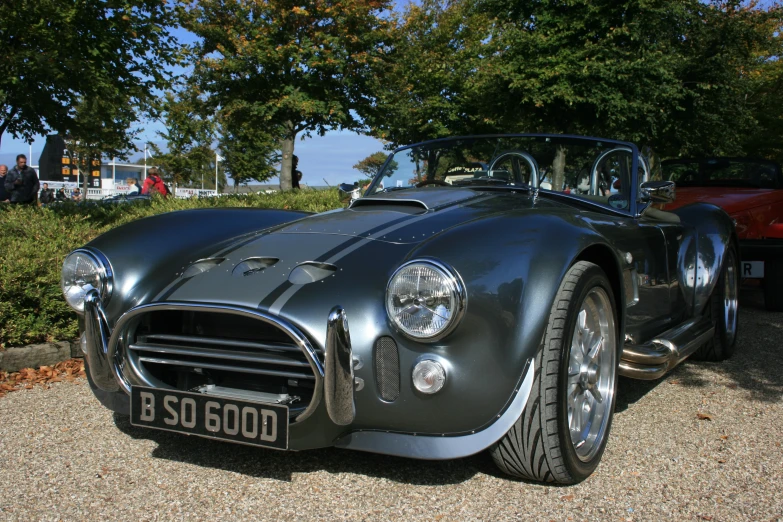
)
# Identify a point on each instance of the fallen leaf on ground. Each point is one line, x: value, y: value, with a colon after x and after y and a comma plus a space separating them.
x: 567, y: 497
x: 27, y: 378
x: 704, y: 416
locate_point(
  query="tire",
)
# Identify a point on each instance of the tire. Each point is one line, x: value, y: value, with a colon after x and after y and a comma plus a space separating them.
x: 723, y: 308
x: 540, y: 445
x: 773, y: 285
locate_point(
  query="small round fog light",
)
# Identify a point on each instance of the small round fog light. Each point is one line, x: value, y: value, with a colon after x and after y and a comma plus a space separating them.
x: 429, y: 376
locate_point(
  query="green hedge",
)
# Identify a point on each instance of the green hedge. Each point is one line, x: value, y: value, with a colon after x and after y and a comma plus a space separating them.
x: 35, y: 241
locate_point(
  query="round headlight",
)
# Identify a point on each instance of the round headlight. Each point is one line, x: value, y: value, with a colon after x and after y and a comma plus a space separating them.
x: 84, y: 271
x: 425, y: 299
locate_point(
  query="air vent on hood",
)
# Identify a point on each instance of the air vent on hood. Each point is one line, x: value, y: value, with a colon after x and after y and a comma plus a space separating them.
x: 418, y: 199
x: 310, y: 272
x: 407, y: 207
x: 253, y: 265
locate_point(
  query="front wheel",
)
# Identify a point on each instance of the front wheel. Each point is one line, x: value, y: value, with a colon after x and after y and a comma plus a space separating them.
x: 562, y: 432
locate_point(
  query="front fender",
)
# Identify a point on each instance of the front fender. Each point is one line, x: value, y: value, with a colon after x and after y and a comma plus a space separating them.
x: 512, y: 269
x: 147, y: 254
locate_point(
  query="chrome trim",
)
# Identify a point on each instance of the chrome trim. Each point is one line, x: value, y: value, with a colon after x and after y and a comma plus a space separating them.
x: 657, y: 192
x: 132, y: 375
x: 339, y: 379
x: 96, y: 333
x: 443, y: 447
x: 525, y: 156
x: 459, y: 286
x: 229, y: 355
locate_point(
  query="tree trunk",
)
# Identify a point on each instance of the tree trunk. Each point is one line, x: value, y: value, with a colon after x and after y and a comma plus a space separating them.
x: 87, y: 178
x: 287, y: 161
x: 558, y: 169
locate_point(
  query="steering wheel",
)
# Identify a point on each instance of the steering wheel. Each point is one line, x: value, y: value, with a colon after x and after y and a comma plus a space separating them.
x: 527, y: 158
x: 432, y: 182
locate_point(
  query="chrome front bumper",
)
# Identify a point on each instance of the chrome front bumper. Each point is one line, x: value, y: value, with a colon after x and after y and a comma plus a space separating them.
x: 334, y: 379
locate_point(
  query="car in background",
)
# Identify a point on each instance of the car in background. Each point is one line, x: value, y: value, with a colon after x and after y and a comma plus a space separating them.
x: 751, y: 192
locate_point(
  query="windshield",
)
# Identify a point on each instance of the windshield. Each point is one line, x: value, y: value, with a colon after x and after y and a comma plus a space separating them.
x: 595, y: 170
x: 720, y: 172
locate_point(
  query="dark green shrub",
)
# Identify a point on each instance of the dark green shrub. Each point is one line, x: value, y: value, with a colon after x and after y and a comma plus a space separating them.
x: 35, y: 241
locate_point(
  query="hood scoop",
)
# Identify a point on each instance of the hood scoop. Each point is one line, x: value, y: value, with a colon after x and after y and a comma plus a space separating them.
x: 419, y: 200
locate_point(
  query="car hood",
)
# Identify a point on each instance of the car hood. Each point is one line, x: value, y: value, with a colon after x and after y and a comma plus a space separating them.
x: 325, y: 254
x: 730, y: 199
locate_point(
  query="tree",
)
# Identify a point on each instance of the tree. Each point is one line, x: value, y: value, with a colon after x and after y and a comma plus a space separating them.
x: 249, y: 152
x: 370, y: 165
x: 99, y: 128
x: 57, y: 53
x: 189, y: 134
x: 284, y: 66
x: 682, y: 76
x: 421, y: 84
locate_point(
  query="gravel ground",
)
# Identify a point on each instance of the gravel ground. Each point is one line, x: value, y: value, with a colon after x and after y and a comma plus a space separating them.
x: 63, y: 456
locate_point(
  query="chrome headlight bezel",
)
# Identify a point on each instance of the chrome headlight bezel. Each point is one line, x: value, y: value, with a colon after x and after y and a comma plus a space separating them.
x: 102, y: 269
x: 455, y: 286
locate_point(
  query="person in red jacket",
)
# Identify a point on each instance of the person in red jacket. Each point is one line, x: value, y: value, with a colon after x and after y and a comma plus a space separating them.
x: 153, y: 184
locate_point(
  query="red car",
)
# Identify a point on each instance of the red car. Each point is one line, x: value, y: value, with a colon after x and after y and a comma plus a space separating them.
x: 751, y: 192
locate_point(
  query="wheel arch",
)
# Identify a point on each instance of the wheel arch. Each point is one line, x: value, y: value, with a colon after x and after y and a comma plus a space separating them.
x: 604, y: 256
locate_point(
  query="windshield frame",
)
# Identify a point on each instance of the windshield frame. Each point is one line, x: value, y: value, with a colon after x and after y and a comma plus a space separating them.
x: 634, y: 208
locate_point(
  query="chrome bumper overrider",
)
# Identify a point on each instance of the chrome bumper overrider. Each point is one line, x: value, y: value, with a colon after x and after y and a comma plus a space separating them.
x: 334, y: 379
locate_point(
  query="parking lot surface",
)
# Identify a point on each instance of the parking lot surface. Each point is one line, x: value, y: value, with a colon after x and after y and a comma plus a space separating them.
x: 704, y: 443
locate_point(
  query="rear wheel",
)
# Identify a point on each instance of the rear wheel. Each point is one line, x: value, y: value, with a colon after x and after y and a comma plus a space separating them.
x: 724, y: 306
x: 773, y: 285
x: 562, y: 432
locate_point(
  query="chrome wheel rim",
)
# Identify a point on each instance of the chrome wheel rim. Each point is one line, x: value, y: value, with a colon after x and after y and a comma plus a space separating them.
x: 591, y: 374
x: 730, y: 297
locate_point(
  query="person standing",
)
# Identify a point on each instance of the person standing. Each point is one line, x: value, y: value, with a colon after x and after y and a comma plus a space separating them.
x: 4, y: 195
x: 47, y: 195
x: 296, y: 174
x: 153, y: 184
x: 22, y: 182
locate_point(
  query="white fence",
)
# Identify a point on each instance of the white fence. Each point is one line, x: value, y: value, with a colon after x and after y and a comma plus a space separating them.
x: 100, y: 193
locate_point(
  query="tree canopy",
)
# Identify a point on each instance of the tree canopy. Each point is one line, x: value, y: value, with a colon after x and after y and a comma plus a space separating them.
x: 286, y: 67
x: 683, y: 76
x: 60, y: 54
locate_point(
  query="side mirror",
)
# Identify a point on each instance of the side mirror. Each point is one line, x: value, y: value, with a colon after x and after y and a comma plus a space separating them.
x: 657, y: 191
x: 349, y: 192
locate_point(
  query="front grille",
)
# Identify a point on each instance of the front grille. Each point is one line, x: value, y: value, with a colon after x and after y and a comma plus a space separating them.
x: 387, y: 368
x: 187, y: 349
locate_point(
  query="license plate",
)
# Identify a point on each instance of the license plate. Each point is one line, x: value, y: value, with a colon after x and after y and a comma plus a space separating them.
x: 752, y: 269
x: 245, y: 422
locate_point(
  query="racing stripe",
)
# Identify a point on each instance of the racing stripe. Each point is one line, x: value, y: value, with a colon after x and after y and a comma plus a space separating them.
x: 345, y: 249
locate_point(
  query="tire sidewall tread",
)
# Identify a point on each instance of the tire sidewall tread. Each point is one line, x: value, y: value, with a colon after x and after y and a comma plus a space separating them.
x: 547, y: 453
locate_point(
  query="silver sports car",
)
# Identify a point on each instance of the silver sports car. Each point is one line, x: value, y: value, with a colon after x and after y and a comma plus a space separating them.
x: 495, y: 288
